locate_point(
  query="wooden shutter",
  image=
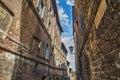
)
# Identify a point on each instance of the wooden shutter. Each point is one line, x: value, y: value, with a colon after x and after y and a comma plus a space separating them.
x: 55, y: 59
x: 82, y: 20
x: 39, y: 5
x: 48, y: 21
x: 49, y: 52
x: 43, y: 12
x: 45, y: 45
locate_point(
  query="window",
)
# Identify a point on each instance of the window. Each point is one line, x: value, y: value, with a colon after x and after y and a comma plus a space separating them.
x: 63, y: 66
x: 35, y: 46
x: 38, y: 49
x: 55, y: 40
x: 55, y: 60
x: 38, y: 68
x: 44, y: 10
x: 82, y: 21
x: 56, y: 26
x: 48, y: 23
x: 5, y: 19
x: 46, y: 50
x: 39, y: 5
x: 50, y: 32
x: 59, y: 46
x: 51, y: 10
x: 39, y: 44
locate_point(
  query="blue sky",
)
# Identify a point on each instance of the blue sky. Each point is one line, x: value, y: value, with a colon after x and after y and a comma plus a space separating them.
x: 65, y: 16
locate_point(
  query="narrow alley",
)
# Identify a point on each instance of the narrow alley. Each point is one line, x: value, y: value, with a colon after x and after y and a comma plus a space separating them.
x: 59, y: 39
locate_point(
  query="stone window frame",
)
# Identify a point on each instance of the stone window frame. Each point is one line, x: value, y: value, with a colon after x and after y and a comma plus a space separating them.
x: 42, y: 9
x: 44, y: 12
x: 50, y: 31
x: 47, y: 50
x: 54, y: 59
x: 7, y: 9
x: 36, y: 49
x: 39, y: 5
x: 52, y: 10
x: 82, y: 22
x: 55, y: 39
x: 48, y: 23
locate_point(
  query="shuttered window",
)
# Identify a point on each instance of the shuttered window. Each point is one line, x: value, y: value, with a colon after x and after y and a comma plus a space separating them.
x: 39, y: 5
x: 51, y: 10
x: 43, y: 12
x: 82, y: 20
x: 48, y: 54
x: 50, y: 32
x: 48, y: 22
x: 55, y: 60
x: 47, y: 50
x: 35, y: 46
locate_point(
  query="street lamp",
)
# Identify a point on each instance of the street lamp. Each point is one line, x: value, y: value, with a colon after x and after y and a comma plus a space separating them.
x: 71, y: 49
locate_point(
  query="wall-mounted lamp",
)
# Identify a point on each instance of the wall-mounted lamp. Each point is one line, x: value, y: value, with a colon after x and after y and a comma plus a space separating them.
x: 71, y: 49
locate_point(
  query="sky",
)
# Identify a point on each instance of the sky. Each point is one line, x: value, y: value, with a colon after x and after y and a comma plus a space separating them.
x: 65, y: 16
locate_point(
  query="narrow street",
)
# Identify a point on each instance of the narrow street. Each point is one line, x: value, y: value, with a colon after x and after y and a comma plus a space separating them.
x: 59, y: 39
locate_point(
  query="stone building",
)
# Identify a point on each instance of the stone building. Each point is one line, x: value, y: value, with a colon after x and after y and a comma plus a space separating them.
x: 27, y: 40
x: 68, y: 70
x: 63, y: 59
x: 63, y: 56
x: 72, y: 75
x: 96, y: 25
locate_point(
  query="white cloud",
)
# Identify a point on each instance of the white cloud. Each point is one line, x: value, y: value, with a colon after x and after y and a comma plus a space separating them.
x: 70, y: 2
x: 68, y: 32
x: 63, y: 16
x: 57, y: 1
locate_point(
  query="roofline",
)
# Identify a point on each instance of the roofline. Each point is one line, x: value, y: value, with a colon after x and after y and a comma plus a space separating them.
x: 57, y: 16
x: 63, y: 45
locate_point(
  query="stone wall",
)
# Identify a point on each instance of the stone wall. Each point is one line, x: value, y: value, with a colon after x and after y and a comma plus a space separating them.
x: 22, y: 37
x: 103, y: 45
x: 15, y: 67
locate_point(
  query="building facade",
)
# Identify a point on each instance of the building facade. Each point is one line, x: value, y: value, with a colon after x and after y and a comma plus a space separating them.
x: 73, y: 75
x: 30, y: 37
x: 97, y: 39
x: 68, y: 69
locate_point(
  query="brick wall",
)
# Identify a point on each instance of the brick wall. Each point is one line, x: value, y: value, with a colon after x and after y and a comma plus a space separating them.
x: 103, y: 43
x: 15, y: 67
x: 20, y: 32
x: 105, y: 46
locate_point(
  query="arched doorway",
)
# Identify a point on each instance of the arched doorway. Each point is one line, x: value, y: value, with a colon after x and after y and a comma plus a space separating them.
x: 44, y: 78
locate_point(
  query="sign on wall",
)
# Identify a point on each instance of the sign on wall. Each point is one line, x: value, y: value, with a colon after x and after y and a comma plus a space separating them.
x: 100, y: 13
